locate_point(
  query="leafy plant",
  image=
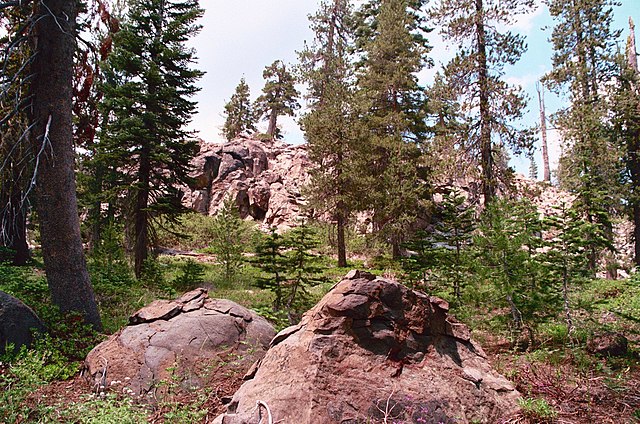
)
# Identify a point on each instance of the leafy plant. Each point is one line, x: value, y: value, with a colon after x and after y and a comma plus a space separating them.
x: 538, y: 409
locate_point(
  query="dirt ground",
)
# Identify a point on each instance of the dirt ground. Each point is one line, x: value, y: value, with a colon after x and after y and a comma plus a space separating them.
x: 598, y: 390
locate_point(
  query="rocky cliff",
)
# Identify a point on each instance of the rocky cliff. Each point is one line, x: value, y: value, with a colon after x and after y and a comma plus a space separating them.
x: 263, y: 177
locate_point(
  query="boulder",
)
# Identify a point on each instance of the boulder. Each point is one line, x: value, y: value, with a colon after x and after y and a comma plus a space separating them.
x: 176, y: 341
x: 17, y: 322
x: 374, y: 351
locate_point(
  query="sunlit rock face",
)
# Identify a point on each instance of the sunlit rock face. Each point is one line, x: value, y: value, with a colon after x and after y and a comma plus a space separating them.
x: 264, y: 178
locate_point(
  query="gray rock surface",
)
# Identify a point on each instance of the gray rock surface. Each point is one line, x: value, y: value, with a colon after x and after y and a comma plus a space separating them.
x: 374, y: 351
x: 17, y: 322
x: 177, y: 340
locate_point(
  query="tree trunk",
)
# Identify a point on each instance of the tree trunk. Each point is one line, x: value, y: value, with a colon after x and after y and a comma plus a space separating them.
x: 52, y: 92
x: 543, y: 131
x: 633, y: 156
x: 342, y: 249
x: 141, y: 218
x: 488, y: 180
x: 18, y: 236
x: 273, y: 120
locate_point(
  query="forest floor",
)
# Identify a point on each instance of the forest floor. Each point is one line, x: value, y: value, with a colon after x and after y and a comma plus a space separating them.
x: 561, y: 382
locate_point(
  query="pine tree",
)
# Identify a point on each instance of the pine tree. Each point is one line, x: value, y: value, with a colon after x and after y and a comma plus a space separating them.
x: 448, y: 155
x: 239, y: 113
x: 227, y: 237
x: 567, y: 257
x: 477, y: 71
x: 584, y: 46
x: 393, y: 104
x: 51, y: 130
x: 304, y: 270
x: 443, y: 252
x: 507, y: 253
x: 279, y: 96
x: 329, y: 125
x: 147, y: 90
x: 17, y: 166
x: 270, y: 258
x: 626, y: 127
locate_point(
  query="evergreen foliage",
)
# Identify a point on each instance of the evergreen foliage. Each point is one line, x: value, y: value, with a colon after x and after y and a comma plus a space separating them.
x: 190, y: 276
x: 330, y: 126
x: 443, y: 255
x: 271, y: 260
x: 239, y: 113
x: 289, y: 268
x: 583, y: 63
x: 567, y: 257
x: 227, y: 240
x: 279, y: 97
x: 475, y: 76
x: 508, y: 256
x: 148, y: 82
x: 626, y: 127
x: 392, y: 105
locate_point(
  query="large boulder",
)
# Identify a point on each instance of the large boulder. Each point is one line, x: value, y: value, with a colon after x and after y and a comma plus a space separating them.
x: 176, y: 341
x: 374, y: 351
x: 17, y: 323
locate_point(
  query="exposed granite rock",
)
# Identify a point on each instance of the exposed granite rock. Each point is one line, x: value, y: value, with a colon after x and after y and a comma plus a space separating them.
x: 177, y: 339
x: 374, y: 351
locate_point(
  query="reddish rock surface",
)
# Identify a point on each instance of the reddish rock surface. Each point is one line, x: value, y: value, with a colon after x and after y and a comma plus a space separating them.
x: 176, y: 341
x: 374, y: 351
x: 263, y: 177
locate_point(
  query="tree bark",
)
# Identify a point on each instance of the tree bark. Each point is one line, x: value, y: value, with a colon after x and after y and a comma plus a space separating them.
x: 141, y: 219
x: 633, y: 157
x: 543, y: 131
x: 341, y: 223
x: 52, y: 91
x: 488, y: 179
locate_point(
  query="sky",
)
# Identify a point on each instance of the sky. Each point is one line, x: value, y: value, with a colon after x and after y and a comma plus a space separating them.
x: 239, y: 38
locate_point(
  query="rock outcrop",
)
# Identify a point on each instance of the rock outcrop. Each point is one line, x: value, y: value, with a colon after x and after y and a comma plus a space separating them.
x: 374, y: 351
x: 176, y: 341
x: 17, y: 322
x: 263, y: 177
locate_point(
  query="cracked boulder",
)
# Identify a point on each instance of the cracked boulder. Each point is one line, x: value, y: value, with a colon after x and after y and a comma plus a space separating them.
x: 176, y: 341
x: 374, y: 351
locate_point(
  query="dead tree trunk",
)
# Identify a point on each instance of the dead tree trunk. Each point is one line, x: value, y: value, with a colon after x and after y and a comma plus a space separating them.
x: 543, y: 131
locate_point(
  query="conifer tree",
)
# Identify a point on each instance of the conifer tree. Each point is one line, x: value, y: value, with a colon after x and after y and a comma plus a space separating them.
x: 329, y: 125
x: 279, y: 96
x: 476, y: 74
x: 443, y: 252
x: 149, y: 82
x: 583, y: 63
x: 270, y: 258
x: 507, y: 252
x: 626, y: 127
x: 392, y: 105
x: 239, y: 113
x: 227, y: 237
x: 17, y: 165
x: 304, y: 270
x: 567, y: 259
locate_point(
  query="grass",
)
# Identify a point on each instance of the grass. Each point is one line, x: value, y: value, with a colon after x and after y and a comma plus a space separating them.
x: 550, y: 374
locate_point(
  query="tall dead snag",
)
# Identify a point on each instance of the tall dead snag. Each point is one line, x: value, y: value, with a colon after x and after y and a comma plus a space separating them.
x: 52, y: 102
x: 543, y: 133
